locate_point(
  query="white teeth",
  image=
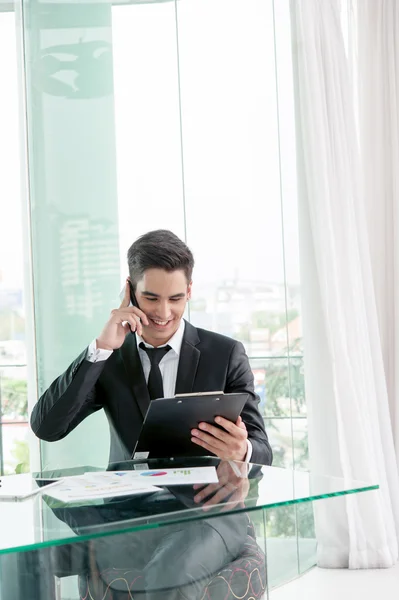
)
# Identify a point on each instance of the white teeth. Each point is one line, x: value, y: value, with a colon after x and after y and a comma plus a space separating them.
x: 160, y: 322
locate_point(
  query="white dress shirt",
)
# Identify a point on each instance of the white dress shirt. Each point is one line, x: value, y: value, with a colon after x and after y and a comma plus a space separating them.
x: 168, y: 364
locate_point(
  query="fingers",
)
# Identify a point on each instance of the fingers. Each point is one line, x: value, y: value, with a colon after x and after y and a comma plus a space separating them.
x: 126, y: 328
x: 233, y: 501
x: 125, y: 306
x: 216, y: 432
x: 208, y: 447
x: 219, y: 494
x: 231, y: 444
x: 238, y: 432
x: 132, y: 310
x: 139, y: 313
x: 122, y: 317
x: 223, y: 493
x: 210, y: 440
x: 226, y: 445
x: 135, y: 324
x: 207, y: 491
x: 237, y: 429
x: 130, y: 314
x: 240, y: 423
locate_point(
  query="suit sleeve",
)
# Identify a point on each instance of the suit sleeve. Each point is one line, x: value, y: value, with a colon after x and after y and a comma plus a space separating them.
x: 240, y: 379
x: 72, y: 397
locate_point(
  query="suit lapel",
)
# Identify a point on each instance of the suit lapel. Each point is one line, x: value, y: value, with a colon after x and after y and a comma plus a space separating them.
x: 187, y: 369
x: 134, y: 372
x: 189, y: 359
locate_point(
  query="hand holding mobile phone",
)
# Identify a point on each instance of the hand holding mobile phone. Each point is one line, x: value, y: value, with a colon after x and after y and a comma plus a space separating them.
x: 123, y: 320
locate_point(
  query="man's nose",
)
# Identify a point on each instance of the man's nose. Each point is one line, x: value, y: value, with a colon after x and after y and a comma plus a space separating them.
x: 164, y: 311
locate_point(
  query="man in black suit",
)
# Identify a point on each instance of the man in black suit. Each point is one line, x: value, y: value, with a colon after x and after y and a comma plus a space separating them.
x: 147, y: 350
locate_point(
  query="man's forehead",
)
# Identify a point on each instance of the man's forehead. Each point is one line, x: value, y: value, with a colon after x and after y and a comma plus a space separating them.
x: 156, y: 282
x: 162, y: 277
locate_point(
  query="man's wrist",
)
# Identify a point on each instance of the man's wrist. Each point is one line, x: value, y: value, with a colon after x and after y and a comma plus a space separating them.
x: 101, y: 346
x: 95, y: 354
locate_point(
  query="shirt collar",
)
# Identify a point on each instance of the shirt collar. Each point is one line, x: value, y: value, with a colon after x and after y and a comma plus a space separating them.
x: 175, y: 341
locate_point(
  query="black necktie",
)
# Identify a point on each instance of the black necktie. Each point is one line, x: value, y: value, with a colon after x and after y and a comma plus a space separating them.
x: 155, y: 384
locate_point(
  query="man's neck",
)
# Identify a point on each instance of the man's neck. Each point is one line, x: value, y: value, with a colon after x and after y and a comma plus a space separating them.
x: 156, y: 343
x: 175, y: 340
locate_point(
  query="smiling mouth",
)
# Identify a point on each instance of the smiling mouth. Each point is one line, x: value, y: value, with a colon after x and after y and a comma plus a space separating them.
x: 159, y: 323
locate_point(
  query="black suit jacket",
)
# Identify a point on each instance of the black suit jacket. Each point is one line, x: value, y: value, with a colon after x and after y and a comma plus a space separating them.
x: 208, y: 362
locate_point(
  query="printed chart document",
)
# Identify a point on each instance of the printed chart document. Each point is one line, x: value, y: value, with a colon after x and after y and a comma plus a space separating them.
x: 180, y: 476
x: 92, y: 486
x: 110, y: 484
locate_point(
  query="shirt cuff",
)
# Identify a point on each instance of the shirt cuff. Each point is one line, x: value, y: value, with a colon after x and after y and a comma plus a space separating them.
x: 95, y: 354
x: 249, y: 451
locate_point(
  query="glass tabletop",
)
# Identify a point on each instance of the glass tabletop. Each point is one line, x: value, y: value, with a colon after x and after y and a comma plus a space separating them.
x: 44, y: 521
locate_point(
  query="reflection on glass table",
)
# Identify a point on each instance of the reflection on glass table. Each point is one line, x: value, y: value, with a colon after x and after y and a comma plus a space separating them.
x: 202, y: 541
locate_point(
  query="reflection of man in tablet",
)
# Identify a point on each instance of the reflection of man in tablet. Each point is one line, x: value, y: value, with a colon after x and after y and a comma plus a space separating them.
x: 146, y: 351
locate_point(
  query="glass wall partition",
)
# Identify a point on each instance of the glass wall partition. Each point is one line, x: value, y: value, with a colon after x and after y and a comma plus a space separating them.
x: 205, y: 142
x: 14, y: 447
x: 142, y: 115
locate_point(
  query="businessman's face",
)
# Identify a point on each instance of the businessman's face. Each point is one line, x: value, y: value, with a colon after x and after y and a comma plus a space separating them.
x: 162, y: 296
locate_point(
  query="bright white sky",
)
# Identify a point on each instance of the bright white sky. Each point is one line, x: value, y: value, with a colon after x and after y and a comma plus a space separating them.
x: 11, y: 266
x: 230, y: 137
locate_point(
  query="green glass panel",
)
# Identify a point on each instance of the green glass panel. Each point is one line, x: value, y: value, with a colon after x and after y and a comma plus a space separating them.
x: 73, y: 194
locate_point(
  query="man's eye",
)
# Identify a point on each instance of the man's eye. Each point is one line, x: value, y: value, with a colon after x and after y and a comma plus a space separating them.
x: 151, y: 299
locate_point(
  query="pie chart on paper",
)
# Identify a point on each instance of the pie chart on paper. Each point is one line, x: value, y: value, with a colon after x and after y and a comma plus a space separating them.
x: 153, y: 473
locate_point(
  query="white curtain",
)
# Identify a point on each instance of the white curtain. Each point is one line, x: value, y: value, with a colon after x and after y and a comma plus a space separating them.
x: 378, y: 78
x: 350, y: 433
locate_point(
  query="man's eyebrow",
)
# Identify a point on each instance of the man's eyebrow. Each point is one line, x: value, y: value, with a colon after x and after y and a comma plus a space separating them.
x: 145, y: 293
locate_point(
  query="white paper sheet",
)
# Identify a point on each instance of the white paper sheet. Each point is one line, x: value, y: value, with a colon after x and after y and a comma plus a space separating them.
x: 147, y: 477
x: 97, y: 485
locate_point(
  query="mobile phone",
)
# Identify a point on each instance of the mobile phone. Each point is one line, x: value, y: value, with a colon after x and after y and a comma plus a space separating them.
x: 133, y: 298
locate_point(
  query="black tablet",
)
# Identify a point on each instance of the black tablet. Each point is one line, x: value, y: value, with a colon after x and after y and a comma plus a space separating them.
x: 167, y: 426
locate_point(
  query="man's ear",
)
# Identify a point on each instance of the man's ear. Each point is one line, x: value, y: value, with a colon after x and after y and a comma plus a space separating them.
x: 189, y: 290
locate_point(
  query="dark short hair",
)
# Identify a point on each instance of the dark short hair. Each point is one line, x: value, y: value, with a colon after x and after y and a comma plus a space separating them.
x: 160, y: 249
